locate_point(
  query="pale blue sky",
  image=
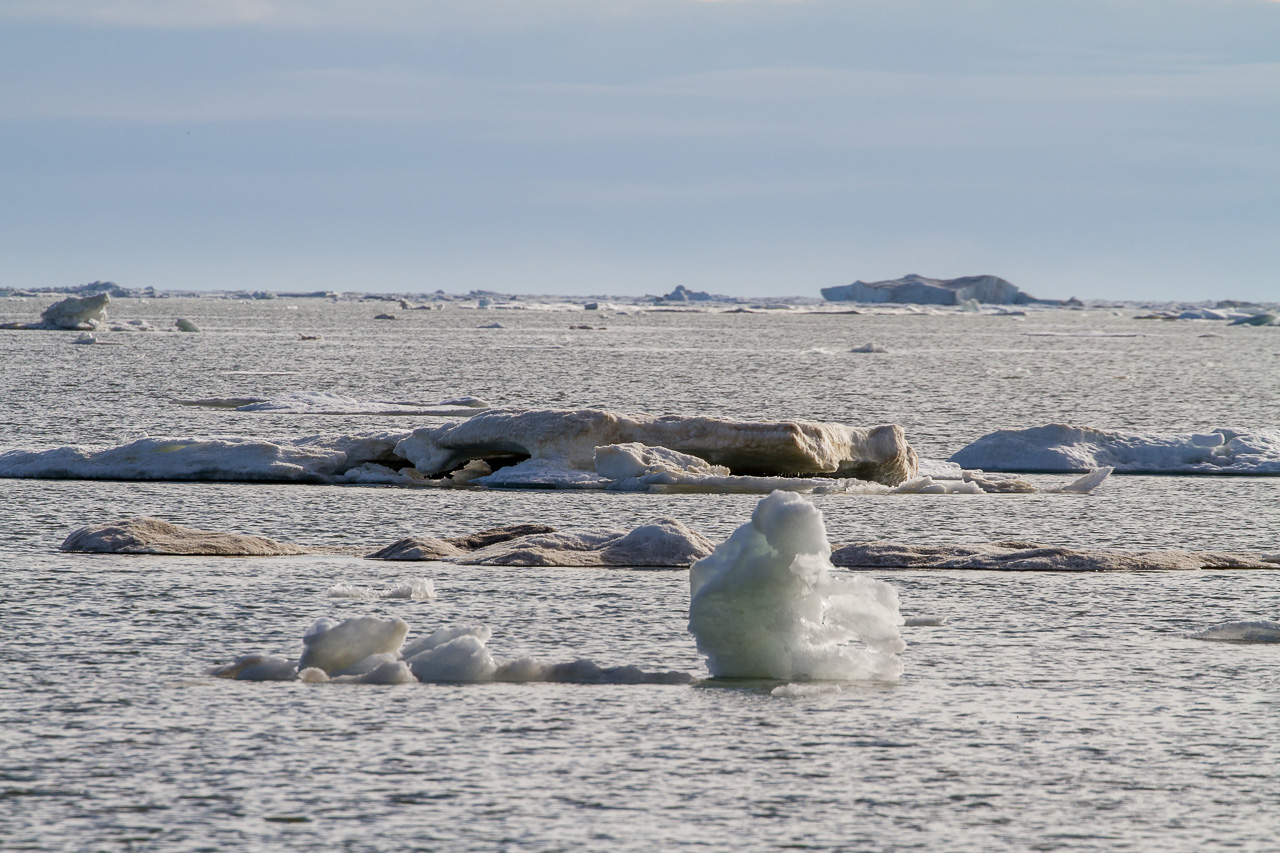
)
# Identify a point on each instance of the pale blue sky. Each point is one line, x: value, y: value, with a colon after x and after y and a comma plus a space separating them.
x: 1125, y: 149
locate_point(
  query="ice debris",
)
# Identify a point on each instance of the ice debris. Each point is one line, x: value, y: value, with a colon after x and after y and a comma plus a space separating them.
x: 372, y: 650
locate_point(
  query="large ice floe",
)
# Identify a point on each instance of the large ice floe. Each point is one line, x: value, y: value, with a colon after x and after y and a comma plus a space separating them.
x: 372, y: 650
x: 315, y: 459
x: 1059, y: 448
x: 1034, y: 557
x: 767, y: 605
x: 586, y: 448
x: 555, y: 447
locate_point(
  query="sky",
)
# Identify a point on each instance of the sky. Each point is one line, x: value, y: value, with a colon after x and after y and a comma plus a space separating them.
x: 1104, y: 149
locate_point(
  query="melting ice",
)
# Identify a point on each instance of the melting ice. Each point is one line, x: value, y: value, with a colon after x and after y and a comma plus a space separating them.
x: 767, y: 605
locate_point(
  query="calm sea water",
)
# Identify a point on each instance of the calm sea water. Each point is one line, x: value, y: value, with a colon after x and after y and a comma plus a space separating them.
x: 1049, y: 712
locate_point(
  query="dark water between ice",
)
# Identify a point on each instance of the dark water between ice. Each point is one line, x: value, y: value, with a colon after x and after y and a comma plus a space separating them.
x: 1049, y: 712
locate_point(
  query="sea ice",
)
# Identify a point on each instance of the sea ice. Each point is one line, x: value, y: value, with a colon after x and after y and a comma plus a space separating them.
x: 1034, y: 557
x: 143, y: 535
x: 76, y: 312
x: 766, y: 605
x: 1060, y: 448
x: 665, y: 543
x: 316, y: 459
x: 418, y: 589
x: 335, y: 647
x: 568, y: 438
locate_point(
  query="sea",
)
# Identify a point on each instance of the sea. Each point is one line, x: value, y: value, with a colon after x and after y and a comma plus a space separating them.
x: 1035, y: 710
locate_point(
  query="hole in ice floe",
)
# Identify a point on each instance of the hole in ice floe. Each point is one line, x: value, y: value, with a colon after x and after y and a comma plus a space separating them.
x: 505, y: 460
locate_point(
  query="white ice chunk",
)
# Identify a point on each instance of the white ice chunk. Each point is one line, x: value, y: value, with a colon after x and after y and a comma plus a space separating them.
x: 1061, y: 448
x: 334, y: 648
x: 766, y: 604
x: 440, y: 636
x: 463, y: 658
x: 76, y: 312
x: 622, y: 461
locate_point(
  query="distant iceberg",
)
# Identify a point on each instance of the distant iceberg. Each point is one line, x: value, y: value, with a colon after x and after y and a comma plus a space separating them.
x: 917, y: 289
x: 1059, y: 448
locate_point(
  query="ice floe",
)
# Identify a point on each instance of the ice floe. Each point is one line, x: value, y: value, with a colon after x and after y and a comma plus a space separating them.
x: 665, y: 543
x: 315, y: 459
x: 582, y: 449
x: 372, y: 650
x: 765, y: 604
x: 566, y: 440
x: 1060, y: 448
x: 1034, y: 557
x: 144, y: 535
x: 328, y: 403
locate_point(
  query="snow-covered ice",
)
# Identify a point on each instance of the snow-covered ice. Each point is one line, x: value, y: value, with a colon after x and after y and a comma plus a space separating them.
x: 1061, y: 448
x: 568, y: 438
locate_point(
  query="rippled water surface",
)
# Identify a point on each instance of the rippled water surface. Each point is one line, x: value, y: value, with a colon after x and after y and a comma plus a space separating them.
x: 1049, y: 711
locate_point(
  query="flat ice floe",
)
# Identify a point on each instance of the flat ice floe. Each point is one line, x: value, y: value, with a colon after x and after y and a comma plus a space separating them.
x: 326, y: 403
x: 144, y: 535
x: 1034, y: 557
x: 765, y: 604
x: 315, y: 459
x: 1059, y: 448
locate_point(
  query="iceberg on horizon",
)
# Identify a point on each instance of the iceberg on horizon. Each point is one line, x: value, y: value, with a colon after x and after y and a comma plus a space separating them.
x: 1060, y: 448
x: 918, y: 290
